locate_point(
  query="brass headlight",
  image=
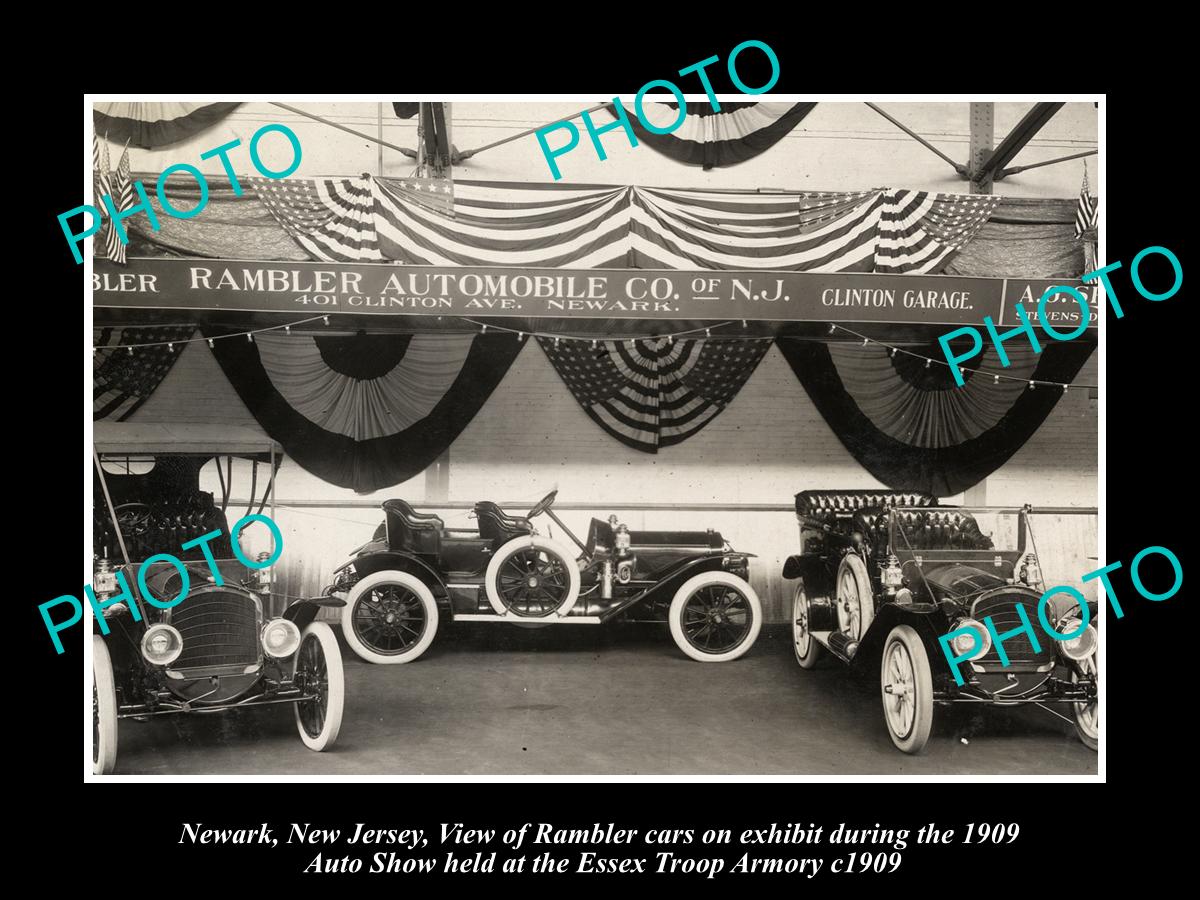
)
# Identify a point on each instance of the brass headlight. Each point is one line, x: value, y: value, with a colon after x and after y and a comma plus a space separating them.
x: 162, y: 644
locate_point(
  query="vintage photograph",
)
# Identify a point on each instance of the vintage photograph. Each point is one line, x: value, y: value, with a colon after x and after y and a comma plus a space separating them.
x: 734, y: 435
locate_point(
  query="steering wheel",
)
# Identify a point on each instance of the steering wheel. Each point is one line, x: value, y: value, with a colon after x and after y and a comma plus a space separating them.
x: 132, y: 517
x: 544, y: 504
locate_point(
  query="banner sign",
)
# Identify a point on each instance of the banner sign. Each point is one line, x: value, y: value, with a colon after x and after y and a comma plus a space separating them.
x: 473, y: 291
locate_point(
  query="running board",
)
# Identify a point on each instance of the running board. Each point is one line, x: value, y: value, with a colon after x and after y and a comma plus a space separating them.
x: 523, y: 620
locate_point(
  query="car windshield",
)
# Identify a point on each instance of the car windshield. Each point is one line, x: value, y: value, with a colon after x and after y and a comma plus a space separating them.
x: 957, y: 528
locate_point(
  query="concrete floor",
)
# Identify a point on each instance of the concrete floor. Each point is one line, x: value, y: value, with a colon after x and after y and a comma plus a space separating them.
x: 614, y: 700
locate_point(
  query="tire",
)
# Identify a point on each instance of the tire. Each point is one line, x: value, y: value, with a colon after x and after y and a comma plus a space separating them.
x: 1087, y: 715
x: 855, y: 599
x: 909, y: 725
x: 533, y: 569
x: 319, y: 655
x: 702, y: 594
x: 372, y: 600
x: 104, y: 709
x: 808, y: 651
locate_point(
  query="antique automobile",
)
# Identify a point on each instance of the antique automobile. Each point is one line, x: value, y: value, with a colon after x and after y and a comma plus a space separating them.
x: 416, y: 571
x: 225, y: 645
x: 884, y: 575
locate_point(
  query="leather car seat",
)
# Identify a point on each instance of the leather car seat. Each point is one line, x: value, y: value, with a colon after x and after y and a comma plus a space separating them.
x: 497, y: 525
x: 410, y: 530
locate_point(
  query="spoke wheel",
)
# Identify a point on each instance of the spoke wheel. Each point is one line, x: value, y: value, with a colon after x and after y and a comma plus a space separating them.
x: 533, y: 583
x: 715, y: 617
x: 906, y: 685
x: 1087, y: 715
x: 808, y: 650
x: 104, y: 709
x: 532, y: 577
x: 318, y: 673
x: 390, y: 617
x: 855, y: 603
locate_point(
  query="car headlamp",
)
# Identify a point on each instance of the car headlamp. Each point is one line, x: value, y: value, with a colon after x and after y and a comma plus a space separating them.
x: 963, y: 644
x: 162, y: 644
x: 1082, y: 645
x: 280, y: 638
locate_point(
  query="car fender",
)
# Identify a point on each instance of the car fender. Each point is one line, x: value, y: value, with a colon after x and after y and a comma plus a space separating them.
x: 927, y: 621
x: 670, y: 583
x: 818, y: 580
x: 302, y: 612
x: 401, y: 562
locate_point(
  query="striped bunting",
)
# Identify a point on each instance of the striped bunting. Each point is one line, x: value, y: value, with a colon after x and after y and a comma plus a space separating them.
x: 333, y: 219
x: 708, y: 138
x: 654, y: 393
x: 530, y: 225
x: 123, y: 381
x: 919, y: 231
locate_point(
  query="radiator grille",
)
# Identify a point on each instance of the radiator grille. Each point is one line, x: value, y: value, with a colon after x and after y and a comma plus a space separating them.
x: 1003, y: 610
x: 219, y: 628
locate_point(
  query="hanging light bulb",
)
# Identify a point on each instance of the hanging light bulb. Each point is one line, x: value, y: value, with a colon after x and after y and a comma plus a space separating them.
x: 1031, y: 386
x: 995, y: 379
x: 485, y: 329
x: 556, y: 343
x: 707, y: 332
x: 743, y: 323
x: 326, y: 318
x: 832, y: 329
x: 131, y: 351
x: 670, y: 339
x: 94, y: 351
x: 1066, y: 388
x: 287, y: 329
x: 593, y: 343
x: 210, y: 343
x: 250, y: 337
x: 928, y: 362
x: 866, y: 341
x: 893, y: 353
x: 520, y: 335
x: 170, y: 346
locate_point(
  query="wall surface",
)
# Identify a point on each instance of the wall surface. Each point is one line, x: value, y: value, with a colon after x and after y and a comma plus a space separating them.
x: 531, y: 435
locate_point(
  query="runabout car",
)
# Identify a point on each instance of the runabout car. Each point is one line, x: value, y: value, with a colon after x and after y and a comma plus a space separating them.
x: 883, y: 575
x: 416, y: 572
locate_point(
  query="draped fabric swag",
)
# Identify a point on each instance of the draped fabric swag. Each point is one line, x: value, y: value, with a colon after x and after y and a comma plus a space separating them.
x: 911, y: 427
x: 654, y: 393
x: 711, y: 138
x: 150, y: 125
x: 122, y: 381
x: 364, y: 411
x: 370, y: 411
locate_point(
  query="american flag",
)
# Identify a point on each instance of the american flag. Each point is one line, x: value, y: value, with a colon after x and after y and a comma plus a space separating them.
x: 920, y: 231
x: 1085, y: 213
x: 653, y: 393
x: 331, y: 218
x: 117, y: 185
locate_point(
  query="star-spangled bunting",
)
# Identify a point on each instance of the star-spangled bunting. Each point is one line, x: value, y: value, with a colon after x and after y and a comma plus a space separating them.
x: 653, y: 393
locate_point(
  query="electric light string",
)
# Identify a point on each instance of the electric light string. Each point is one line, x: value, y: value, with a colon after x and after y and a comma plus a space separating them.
x: 670, y: 337
x: 248, y: 335
x: 996, y: 376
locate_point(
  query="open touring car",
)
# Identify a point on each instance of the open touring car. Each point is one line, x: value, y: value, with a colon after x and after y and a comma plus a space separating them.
x: 884, y: 575
x: 416, y: 572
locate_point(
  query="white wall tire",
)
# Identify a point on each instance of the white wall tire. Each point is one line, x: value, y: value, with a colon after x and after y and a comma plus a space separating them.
x: 1087, y: 715
x: 104, y: 709
x: 704, y: 613
x: 855, y: 599
x: 320, y: 658
x: 906, y: 685
x: 808, y: 650
x: 390, y: 617
x: 532, y: 577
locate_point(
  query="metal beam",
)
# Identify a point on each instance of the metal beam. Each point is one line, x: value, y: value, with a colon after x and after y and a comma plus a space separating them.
x: 1031, y: 123
x: 1003, y: 173
x: 982, y: 141
x: 960, y: 169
